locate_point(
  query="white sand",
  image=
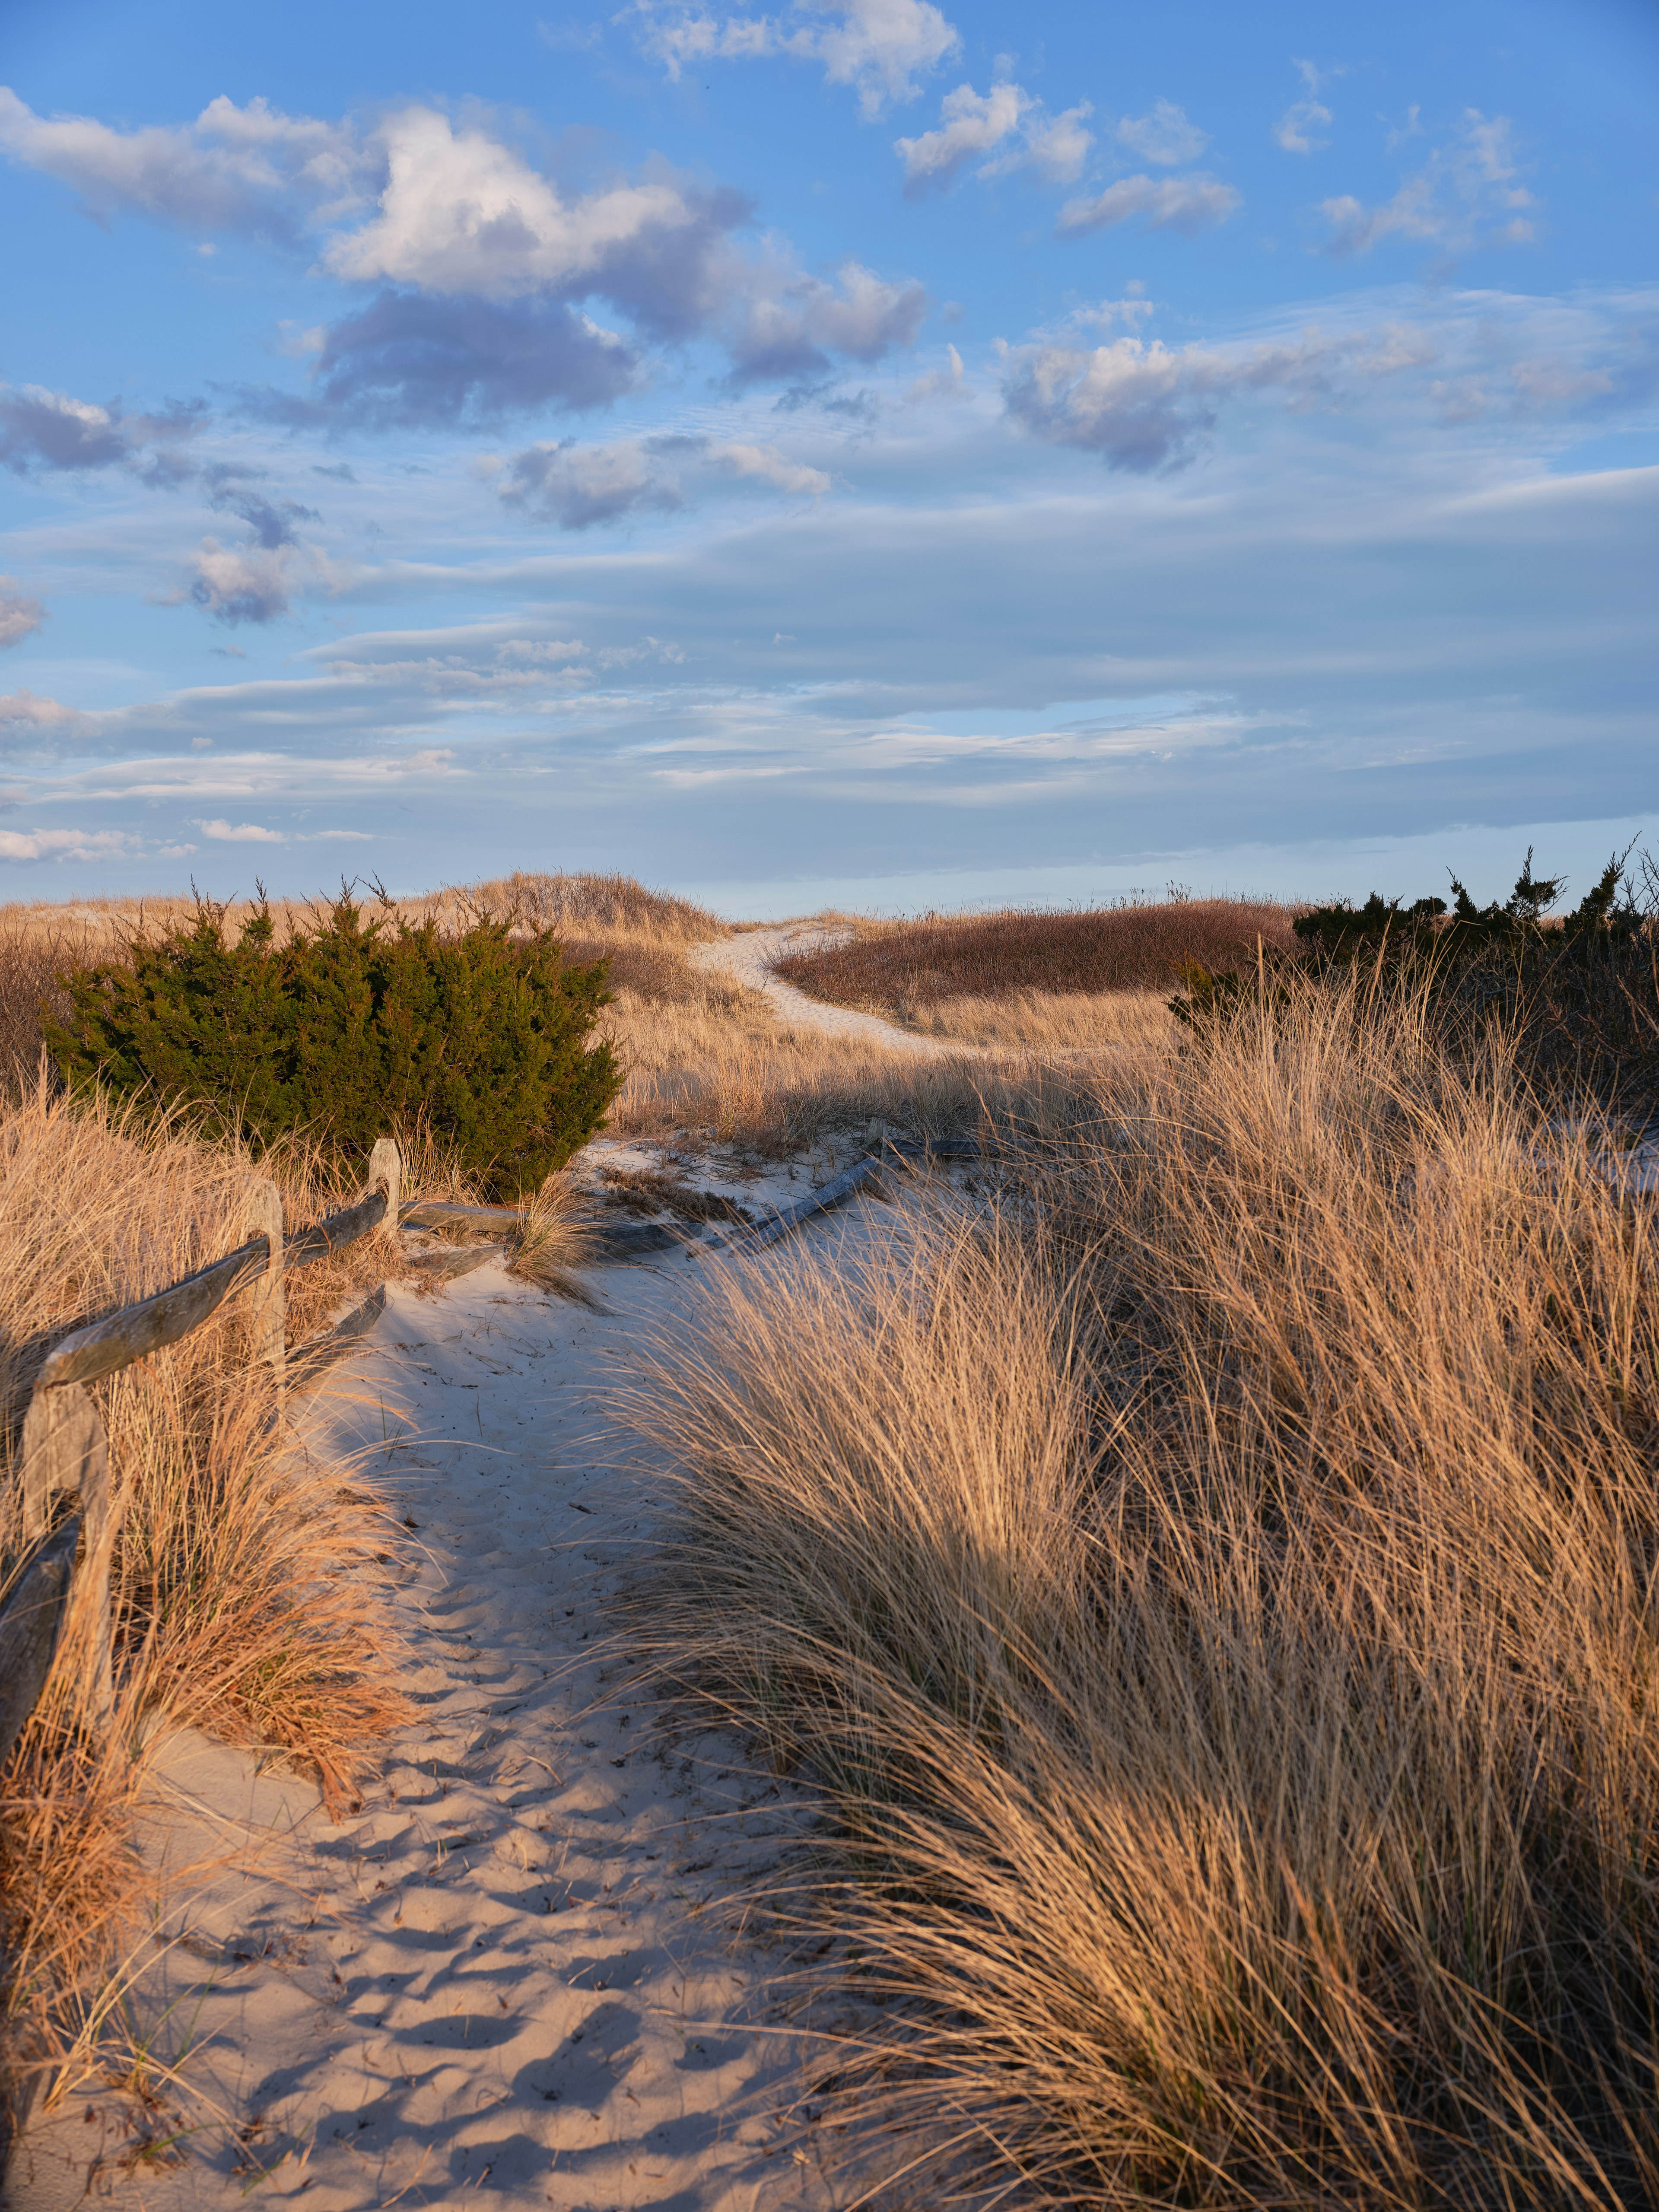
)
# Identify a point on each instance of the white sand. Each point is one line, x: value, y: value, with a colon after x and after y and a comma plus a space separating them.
x: 748, y: 956
x: 519, y: 1975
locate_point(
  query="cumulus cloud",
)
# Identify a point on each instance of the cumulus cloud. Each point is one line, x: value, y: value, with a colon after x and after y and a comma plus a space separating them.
x: 969, y: 125
x: 47, y: 430
x: 1188, y: 204
x: 1057, y: 145
x: 577, y: 486
x: 879, y: 46
x: 1144, y: 406
x: 972, y: 124
x: 1466, y: 194
x: 252, y: 583
x: 790, y: 324
x: 405, y: 361
x: 250, y: 169
x: 20, y: 615
x: 246, y: 833
x: 1165, y: 134
x: 461, y: 213
x: 485, y: 266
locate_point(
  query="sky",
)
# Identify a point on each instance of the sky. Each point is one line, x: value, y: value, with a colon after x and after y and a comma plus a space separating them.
x: 879, y: 453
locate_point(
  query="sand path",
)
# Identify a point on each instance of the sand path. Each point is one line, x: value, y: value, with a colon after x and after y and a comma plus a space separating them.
x: 748, y: 958
x: 518, y: 1976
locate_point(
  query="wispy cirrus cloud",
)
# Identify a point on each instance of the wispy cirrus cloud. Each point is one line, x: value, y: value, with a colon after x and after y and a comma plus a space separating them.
x: 1165, y: 134
x: 1294, y: 130
x: 1188, y: 204
x: 1467, y: 193
x: 880, y: 47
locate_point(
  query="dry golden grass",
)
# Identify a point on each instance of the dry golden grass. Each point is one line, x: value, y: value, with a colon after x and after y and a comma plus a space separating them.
x: 1216, y: 1591
x: 246, y: 1598
x: 1053, y: 1021
x: 722, y: 1065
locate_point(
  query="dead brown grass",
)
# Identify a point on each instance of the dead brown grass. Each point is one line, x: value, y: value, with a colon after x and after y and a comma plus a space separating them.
x: 1216, y: 1593
x: 906, y: 969
x: 246, y: 1597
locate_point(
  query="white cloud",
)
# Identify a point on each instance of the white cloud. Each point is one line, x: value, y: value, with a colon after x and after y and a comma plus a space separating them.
x: 1550, y: 381
x: 61, y: 844
x: 244, y: 583
x: 1144, y: 406
x: 240, y: 833
x: 1466, y: 194
x: 769, y: 465
x: 235, y: 168
x: 1057, y: 145
x: 44, y: 429
x: 879, y: 46
x: 28, y: 708
x: 1295, y: 128
x: 577, y: 486
x: 1184, y: 203
x: 1165, y: 135
x: 484, y: 261
x: 972, y: 124
x: 461, y: 213
x: 20, y: 615
x: 969, y: 123
x: 941, y: 383
x: 789, y: 324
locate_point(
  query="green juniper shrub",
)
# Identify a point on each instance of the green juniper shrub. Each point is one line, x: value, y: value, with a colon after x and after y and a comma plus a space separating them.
x: 1579, y: 993
x: 352, y: 1028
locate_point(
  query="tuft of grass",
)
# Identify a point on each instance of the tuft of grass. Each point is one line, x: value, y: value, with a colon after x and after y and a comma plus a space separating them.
x: 1214, y: 1586
x: 246, y: 1596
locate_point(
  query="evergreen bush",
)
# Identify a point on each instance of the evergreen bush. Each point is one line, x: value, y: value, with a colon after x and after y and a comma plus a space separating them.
x: 354, y: 1027
x: 1578, y: 994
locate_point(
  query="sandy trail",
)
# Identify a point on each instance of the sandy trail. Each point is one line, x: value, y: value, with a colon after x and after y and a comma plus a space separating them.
x: 748, y: 958
x: 520, y: 1974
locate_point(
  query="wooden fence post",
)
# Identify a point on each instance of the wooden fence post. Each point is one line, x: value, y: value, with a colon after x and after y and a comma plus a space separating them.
x: 264, y: 1218
x: 65, y: 1447
x: 386, y: 1172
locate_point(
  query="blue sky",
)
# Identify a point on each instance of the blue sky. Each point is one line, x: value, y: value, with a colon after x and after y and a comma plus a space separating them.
x: 877, y: 451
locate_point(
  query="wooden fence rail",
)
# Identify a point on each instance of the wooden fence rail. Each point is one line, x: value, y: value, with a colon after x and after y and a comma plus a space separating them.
x: 62, y: 1451
x: 64, y: 1582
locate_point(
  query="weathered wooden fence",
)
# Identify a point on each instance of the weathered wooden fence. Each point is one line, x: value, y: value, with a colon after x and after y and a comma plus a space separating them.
x: 62, y: 1592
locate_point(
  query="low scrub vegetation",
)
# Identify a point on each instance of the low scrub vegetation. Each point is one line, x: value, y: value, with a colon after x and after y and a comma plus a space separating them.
x: 1214, y: 1588
x: 246, y: 1597
x: 349, y: 1026
x: 906, y: 970
x: 1576, y: 995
